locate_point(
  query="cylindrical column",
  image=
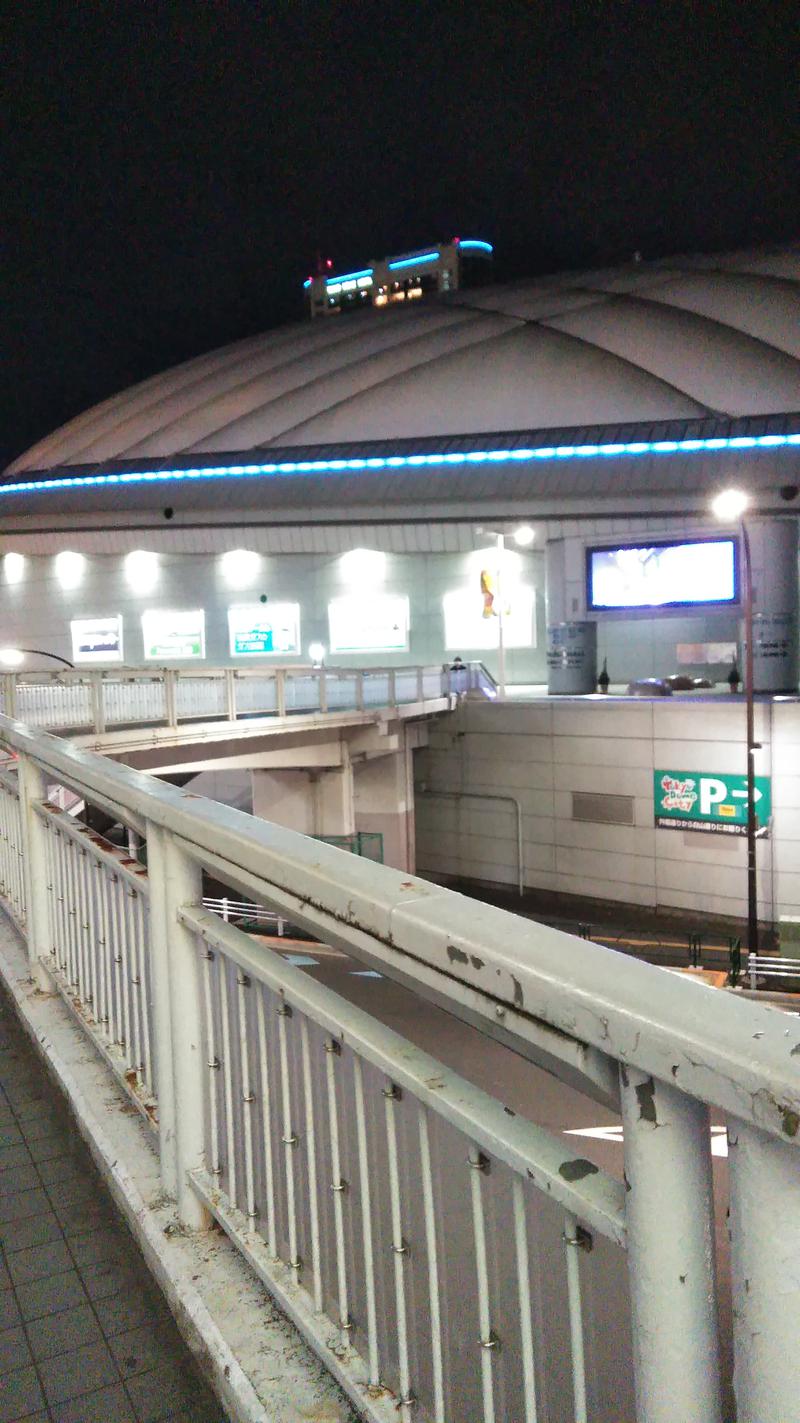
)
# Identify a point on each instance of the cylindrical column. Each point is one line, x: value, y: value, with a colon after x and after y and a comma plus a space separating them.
x: 571, y: 658
x: 772, y: 552
x: 670, y: 1218
x: 32, y: 783
x: 176, y: 980
x: 765, y: 1266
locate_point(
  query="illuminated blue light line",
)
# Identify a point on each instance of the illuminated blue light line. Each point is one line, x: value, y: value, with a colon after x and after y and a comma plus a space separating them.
x: 414, y: 261
x: 454, y: 457
x: 477, y: 246
x: 350, y: 276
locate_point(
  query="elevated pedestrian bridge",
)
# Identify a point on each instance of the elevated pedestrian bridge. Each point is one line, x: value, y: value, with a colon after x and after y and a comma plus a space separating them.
x: 443, y: 1255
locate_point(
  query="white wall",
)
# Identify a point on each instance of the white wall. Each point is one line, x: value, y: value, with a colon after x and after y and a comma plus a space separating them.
x: 37, y: 611
x: 542, y: 751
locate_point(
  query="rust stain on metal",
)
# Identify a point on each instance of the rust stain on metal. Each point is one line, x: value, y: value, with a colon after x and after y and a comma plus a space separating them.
x: 577, y: 1169
x: 456, y: 955
x: 790, y: 1121
x: 645, y: 1096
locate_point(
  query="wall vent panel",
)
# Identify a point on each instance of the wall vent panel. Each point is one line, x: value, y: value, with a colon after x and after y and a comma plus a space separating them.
x: 603, y: 809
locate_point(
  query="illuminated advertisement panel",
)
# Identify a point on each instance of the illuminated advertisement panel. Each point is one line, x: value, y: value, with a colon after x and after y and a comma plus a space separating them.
x: 97, y: 639
x: 662, y: 575
x: 368, y: 623
x: 472, y: 619
x: 169, y: 636
x: 264, y: 630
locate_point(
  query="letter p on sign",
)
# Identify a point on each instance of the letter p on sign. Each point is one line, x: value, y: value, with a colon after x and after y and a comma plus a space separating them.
x: 712, y: 791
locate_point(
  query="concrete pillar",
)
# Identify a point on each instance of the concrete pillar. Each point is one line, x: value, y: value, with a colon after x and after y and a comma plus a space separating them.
x: 286, y: 798
x: 384, y: 801
x: 318, y: 802
x: 333, y: 801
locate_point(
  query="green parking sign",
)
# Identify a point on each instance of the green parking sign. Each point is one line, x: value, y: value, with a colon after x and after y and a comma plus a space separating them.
x: 714, y: 802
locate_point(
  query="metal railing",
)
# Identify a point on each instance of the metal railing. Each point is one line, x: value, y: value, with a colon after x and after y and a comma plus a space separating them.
x: 447, y: 1258
x: 103, y: 701
x: 767, y: 966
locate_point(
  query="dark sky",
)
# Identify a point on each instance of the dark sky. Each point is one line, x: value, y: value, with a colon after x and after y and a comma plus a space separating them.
x: 171, y: 170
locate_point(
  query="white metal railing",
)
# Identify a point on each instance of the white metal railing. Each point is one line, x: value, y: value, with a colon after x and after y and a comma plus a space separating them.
x: 447, y: 1259
x: 229, y: 909
x: 102, y: 701
x: 769, y: 966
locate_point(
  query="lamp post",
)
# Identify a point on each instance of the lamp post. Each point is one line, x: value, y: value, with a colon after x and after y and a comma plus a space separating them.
x: 523, y: 537
x: 732, y: 504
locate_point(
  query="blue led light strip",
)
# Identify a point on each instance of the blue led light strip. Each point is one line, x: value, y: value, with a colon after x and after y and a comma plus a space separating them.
x: 350, y: 276
x: 476, y: 245
x: 460, y: 457
x: 414, y: 261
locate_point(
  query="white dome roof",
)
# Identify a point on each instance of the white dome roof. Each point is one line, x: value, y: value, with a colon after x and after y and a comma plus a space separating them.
x: 658, y: 341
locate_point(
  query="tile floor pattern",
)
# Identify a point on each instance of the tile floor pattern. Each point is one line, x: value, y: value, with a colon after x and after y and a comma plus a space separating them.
x: 85, y: 1336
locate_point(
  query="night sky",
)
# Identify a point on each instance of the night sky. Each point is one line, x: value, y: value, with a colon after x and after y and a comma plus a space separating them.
x: 172, y: 170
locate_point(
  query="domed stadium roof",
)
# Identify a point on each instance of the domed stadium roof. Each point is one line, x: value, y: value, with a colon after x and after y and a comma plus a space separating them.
x: 679, y: 339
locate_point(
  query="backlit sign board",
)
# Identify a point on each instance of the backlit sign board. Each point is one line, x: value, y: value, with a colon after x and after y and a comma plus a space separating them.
x: 169, y: 636
x: 368, y: 622
x: 97, y: 639
x: 264, y: 630
x: 711, y: 801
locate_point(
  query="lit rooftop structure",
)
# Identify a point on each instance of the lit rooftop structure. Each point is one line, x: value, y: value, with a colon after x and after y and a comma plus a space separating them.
x: 408, y: 276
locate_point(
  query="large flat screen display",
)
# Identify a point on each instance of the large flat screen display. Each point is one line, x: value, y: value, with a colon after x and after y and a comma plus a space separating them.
x: 662, y: 575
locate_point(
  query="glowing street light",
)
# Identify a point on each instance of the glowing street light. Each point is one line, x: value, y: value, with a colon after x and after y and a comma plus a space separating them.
x: 524, y: 536
x: 729, y: 506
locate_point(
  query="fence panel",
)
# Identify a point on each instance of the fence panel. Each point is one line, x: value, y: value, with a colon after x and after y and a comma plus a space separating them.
x: 100, y: 948
x: 429, y: 1243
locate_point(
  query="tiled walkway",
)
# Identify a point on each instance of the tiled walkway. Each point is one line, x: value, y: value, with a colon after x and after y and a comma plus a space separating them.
x: 84, y: 1334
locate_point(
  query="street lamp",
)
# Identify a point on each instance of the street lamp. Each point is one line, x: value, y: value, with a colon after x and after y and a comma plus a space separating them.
x: 728, y: 506
x: 14, y: 656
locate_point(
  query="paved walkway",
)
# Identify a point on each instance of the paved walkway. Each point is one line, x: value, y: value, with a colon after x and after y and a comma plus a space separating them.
x: 85, y: 1336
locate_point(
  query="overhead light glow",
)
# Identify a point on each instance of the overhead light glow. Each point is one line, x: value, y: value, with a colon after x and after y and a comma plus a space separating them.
x: 475, y: 245
x: 70, y: 568
x: 11, y: 656
x: 414, y: 261
x: 14, y: 567
x: 364, y: 566
x: 524, y: 535
x: 730, y: 504
x: 141, y: 570
x: 240, y: 567
x: 367, y: 462
x: 316, y: 652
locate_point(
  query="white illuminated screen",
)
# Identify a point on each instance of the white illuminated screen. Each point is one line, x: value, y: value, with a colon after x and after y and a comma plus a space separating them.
x: 96, y: 639
x: 368, y: 622
x: 264, y: 630
x: 168, y: 635
x: 660, y: 575
x: 466, y: 627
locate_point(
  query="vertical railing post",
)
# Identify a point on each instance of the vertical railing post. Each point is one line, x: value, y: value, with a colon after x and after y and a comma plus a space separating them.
x: 670, y: 1217
x: 323, y: 690
x: 359, y: 691
x: 98, y: 709
x: 392, y: 697
x: 10, y: 691
x: 175, y: 881
x: 420, y: 684
x: 171, y: 696
x: 765, y: 1250
x: 32, y: 783
x: 280, y: 691
x: 230, y: 693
